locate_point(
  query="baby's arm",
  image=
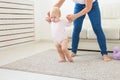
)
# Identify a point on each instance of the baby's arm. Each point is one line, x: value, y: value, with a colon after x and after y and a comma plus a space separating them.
x: 67, y: 23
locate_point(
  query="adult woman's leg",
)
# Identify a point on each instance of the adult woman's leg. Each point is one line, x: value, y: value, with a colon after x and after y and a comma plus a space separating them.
x: 77, y: 28
x: 95, y: 19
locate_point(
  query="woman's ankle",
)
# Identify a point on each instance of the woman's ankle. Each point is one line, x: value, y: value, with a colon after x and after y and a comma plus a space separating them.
x: 106, y: 57
x: 73, y: 54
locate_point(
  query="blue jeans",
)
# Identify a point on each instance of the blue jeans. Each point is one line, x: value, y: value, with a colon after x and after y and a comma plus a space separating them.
x: 95, y: 19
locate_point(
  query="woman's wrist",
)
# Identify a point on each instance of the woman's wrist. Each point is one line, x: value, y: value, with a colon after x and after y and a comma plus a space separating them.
x: 75, y: 16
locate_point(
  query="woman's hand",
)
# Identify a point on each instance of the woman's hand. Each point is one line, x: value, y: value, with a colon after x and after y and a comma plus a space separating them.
x: 71, y: 17
x: 48, y: 19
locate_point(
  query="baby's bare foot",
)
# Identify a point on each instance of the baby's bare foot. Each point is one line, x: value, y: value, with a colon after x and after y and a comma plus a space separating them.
x: 69, y: 57
x: 62, y: 60
x: 106, y: 58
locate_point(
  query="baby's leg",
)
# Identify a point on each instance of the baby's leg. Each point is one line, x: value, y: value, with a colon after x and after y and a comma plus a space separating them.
x: 64, y: 45
x: 59, y: 49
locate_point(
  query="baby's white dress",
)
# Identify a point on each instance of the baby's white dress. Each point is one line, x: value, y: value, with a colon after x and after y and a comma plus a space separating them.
x: 58, y: 30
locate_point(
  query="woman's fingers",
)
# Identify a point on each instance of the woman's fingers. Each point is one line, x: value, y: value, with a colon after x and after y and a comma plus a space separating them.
x: 48, y: 14
x: 48, y: 19
x: 70, y: 17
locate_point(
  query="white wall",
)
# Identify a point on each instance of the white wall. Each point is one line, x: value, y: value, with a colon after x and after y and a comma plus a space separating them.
x: 42, y: 28
x: 67, y: 7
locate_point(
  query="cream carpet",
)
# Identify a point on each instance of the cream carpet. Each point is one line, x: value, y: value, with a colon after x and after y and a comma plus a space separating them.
x: 86, y: 66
